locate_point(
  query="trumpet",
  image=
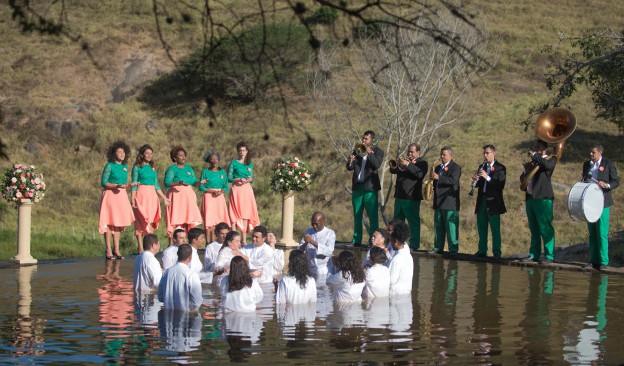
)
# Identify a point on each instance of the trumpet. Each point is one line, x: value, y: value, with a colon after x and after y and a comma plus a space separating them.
x: 393, y: 164
x: 359, y: 149
x: 474, y: 182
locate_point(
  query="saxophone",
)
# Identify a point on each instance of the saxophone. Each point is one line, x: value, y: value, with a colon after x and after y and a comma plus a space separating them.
x: 428, y: 186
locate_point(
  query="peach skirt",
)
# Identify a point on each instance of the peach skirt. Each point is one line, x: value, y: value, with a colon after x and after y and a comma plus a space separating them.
x: 183, y: 211
x: 243, y: 207
x: 115, y: 210
x: 147, y: 212
x: 214, y: 210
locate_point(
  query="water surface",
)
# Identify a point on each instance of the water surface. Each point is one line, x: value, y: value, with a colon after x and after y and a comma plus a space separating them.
x: 458, y: 313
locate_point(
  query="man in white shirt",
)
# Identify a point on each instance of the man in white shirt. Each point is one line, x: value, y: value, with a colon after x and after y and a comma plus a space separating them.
x: 212, y: 249
x: 170, y: 255
x: 180, y: 288
x: 197, y: 240
x: 318, y: 244
x: 147, y: 271
x: 260, y: 254
x: 401, y: 265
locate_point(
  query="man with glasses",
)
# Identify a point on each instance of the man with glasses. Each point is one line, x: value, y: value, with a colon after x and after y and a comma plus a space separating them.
x: 489, y: 183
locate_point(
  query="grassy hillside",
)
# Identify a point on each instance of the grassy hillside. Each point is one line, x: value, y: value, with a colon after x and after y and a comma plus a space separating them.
x: 58, y: 112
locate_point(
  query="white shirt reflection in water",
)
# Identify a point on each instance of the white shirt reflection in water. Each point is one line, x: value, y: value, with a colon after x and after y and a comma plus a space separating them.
x: 180, y: 330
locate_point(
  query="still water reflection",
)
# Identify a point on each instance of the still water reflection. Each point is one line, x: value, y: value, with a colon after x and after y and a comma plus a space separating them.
x: 458, y: 313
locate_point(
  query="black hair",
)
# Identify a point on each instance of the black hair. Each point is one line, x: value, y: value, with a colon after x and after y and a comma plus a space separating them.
x: 149, y: 241
x: 261, y: 229
x: 400, y: 233
x: 489, y: 146
x: 184, y: 252
x: 175, y: 233
x: 194, y: 233
x: 228, y: 238
x: 220, y: 226
x: 598, y: 147
x: 377, y: 255
x: 174, y: 152
x: 110, y: 153
x: 369, y: 133
x: 240, y: 276
x: 384, y: 234
x: 298, y: 267
x: 350, y: 267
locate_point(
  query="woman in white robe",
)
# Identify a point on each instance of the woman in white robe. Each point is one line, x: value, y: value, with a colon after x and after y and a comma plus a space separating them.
x: 298, y: 286
x: 230, y: 249
x: 377, y: 275
x: 239, y: 292
x: 347, y: 284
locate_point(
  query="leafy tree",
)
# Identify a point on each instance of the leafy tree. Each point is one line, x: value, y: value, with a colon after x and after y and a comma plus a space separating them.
x: 596, y: 62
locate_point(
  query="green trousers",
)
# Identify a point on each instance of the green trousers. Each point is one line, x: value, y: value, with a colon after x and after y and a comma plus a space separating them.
x: 483, y: 220
x: 410, y: 210
x: 446, y: 225
x: 540, y: 215
x: 599, y: 239
x: 364, y: 200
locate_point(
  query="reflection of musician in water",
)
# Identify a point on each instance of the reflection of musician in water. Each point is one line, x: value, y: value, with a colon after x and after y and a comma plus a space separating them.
x: 539, y: 205
x: 408, y: 192
x: 490, y: 182
x: 604, y: 173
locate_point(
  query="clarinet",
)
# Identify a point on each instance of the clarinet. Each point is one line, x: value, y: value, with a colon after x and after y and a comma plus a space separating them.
x: 474, y: 184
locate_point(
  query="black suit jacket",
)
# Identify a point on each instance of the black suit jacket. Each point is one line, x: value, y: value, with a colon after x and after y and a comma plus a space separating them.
x: 446, y: 188
x: 494, y: 202
x: 606, y: 173
x: 409, y: 181
x: 542, y: 187
x: 373, y: 163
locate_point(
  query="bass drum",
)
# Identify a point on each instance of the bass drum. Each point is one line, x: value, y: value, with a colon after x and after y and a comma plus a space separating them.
x: 585, y: 202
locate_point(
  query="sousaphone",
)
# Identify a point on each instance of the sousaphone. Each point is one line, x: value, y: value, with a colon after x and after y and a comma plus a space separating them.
x: 554, y: 125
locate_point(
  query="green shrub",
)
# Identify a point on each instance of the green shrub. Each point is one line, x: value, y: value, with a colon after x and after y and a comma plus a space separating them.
x: 324, y: 15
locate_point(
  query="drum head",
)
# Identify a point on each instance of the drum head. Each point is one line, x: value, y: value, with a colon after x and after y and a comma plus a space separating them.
x: 585, y: 202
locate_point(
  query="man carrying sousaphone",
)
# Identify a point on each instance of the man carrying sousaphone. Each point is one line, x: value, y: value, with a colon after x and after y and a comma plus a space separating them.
x: 604, y: 173
x: 408, y: 190
x: 539, y: 205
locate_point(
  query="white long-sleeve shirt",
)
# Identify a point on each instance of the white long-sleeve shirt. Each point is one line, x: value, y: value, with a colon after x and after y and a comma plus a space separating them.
x: 377, y: 282
x: 196, y: 263
x: 401, y: 272
x: 224, y: 258
x: 278, y: 262
x: 170, y: 256
x: 210, y: 256
x: 289, y: 291
x: 147, y: 272
x: 318, y: 257
x: 343, y: 289
x: 240, y: 300
x: 180, y: 288
x: 260, y: 257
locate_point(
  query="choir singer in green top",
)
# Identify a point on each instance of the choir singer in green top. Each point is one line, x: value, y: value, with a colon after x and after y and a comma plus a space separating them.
x: 243, y: 210
x: 213, y: 208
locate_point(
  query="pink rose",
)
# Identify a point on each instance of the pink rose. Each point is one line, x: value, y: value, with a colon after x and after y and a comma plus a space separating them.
x: 13, y: 180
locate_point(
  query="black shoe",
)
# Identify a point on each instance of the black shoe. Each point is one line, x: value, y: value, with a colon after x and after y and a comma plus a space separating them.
x: 546, y: 261
x: 453, y: 255
x: 497, y: 256
x: 432, y: 251
x: 480, y: 255
x: 528, y: 259
x: 600, y: 267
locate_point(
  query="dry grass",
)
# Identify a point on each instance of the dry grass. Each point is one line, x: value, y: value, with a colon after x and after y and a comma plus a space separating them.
x: 44, y: 79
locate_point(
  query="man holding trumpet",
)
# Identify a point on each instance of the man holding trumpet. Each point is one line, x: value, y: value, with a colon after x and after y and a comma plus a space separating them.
x: 408, y: 190
x: 365, y: 186
x: 489, y: 183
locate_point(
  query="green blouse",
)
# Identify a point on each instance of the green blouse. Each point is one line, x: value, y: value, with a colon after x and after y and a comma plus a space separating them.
x: 217, y: 180
x: 176, y: 174
x: 115, y: 173
x: 239, y: 170
x: 146, y: 175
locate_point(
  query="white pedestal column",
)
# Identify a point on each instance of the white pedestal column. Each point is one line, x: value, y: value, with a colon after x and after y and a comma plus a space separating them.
x: 23, y: 257
x: 288, y: 218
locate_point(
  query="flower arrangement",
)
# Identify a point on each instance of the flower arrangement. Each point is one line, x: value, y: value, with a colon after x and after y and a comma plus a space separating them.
x: 22, y: 182
x: 290, y: 174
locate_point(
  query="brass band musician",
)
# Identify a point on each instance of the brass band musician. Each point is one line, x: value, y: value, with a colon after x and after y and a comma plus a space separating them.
x: 410, y: 172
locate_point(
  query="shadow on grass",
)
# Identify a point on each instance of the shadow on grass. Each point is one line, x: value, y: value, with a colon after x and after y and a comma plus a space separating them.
x: 578, y: 145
